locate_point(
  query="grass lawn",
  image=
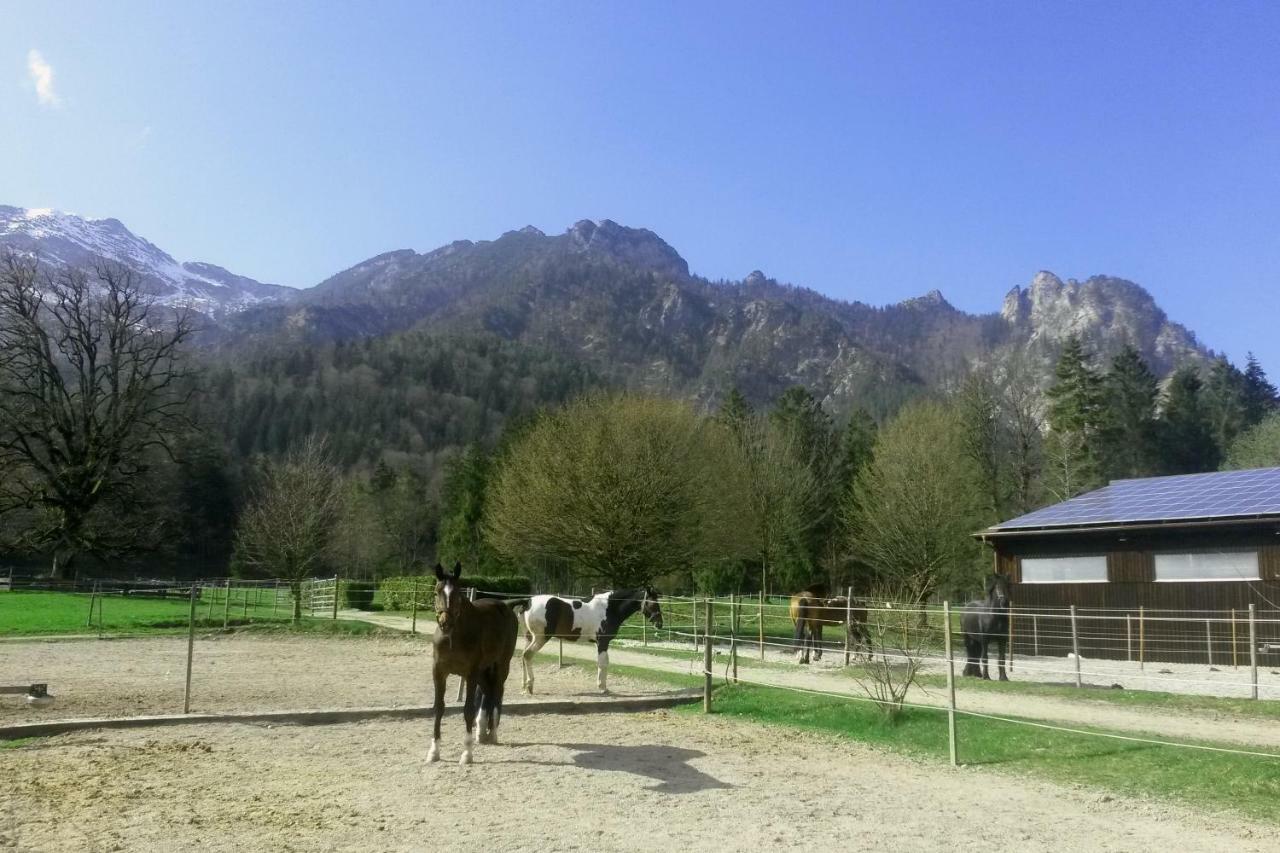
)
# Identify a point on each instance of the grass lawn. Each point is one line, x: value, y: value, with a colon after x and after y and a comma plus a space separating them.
x: 36, y: 613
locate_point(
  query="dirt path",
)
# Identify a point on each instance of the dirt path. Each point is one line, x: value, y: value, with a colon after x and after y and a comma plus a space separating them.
x: 1074, y: 712
x: 595, y: 783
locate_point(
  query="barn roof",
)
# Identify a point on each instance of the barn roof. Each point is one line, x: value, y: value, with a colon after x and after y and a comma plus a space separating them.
x: 1186, y: 498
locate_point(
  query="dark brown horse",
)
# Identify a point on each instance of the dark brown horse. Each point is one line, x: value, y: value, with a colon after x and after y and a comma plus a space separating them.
x: 811, y: 609
x: 476, y: 641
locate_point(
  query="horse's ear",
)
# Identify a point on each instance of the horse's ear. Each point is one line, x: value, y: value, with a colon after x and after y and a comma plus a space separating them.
x: 457, y: 569
x: 439, y: 572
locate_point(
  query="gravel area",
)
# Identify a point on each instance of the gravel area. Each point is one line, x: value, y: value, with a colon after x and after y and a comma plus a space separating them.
x: 594, y: 783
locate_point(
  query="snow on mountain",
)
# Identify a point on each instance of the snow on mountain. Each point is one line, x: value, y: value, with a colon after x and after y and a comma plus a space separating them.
x: 65, y: 239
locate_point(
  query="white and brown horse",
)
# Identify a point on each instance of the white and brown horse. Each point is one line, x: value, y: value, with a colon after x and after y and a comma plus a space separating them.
x: 595, y: 620
x: 810, y: 610
x: 476, y: 641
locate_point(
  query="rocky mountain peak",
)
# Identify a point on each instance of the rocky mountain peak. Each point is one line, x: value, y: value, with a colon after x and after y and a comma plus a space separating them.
x: 633, y: 246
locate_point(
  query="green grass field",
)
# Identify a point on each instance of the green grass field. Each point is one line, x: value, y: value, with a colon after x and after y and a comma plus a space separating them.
x: 35, y: 613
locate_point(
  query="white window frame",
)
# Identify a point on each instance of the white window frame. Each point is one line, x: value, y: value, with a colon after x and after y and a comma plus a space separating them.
x: 1106, y: 575
x: 1253, y: 552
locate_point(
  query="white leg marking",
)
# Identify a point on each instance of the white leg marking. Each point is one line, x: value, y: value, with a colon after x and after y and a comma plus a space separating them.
x: 433, y: 754
x: 602, y: 670
x: 466, y: 749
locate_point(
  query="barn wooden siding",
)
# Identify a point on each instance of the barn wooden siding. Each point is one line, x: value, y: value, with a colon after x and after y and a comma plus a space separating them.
x: 1173, y: 628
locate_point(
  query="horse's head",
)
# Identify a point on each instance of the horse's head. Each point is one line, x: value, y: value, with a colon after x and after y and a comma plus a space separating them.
x: 448, y: 595
x: 649, y: 608
x: 998, y: 590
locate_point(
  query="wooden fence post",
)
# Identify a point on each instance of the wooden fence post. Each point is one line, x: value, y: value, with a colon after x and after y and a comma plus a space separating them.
x: 1035, y: 635
x: 733, y: 634
x: 1253, y: 654
x: 1011, y: 637
x: 694, y: 607
x: 226, y: 606
x: 1128, y: 638
x: 762, y: 624
x: 413, y: 625
x: 191, y: 646
x: 951, y: 681
x: 209, y: 615
x: 335, y: 596
x: 644, y: 631
x: 848, y: 622
x: 1235, y: 661
x: 93, y: 598
x: 1208, y: 641
x: 244, y: 611
x: 1075, y: 644
x: 706, y: 662
x: 1142, y: 638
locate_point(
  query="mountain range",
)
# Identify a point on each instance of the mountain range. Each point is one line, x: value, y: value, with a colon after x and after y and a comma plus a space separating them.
x: 625, y: 302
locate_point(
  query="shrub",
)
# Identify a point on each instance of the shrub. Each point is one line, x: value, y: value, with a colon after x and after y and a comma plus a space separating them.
x: 397, y: 592
x: 358, y: 594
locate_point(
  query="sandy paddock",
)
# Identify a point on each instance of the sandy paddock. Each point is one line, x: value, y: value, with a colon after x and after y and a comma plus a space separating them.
x: 660, y: 780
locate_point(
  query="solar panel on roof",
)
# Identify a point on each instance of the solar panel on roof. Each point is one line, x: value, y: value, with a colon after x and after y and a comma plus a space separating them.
x: 1222, y: 494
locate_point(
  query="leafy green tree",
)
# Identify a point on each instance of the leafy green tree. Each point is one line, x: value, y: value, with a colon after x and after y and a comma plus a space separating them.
x: 735, y: 410
x: 622, y: 489
x: 1128, y: 438
x: 1257, y: 447
x: 1260, y: 398
x: 985, y: 439
x: 463, y: 500
x: 1023, y: 411
x: 811, y: 437
x: 1187, y: 434
x: 918, y: 503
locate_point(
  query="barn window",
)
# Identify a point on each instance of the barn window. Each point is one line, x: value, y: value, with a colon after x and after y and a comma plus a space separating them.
x: 1091, y: 569
x: 1208, y: 566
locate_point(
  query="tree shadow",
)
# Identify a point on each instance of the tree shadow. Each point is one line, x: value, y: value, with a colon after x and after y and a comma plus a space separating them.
x: 667, y: 765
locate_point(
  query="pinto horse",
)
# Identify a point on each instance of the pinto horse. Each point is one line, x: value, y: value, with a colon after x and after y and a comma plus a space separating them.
x: 986, y: 621
x: 810, y: 610
x: 476, y: 641
x: 596, y: 620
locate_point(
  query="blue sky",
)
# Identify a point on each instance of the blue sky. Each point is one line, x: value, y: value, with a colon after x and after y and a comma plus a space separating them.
x: 870, y: 151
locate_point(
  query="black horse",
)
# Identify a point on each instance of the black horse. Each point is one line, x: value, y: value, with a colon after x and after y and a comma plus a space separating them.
x: 984, y: 622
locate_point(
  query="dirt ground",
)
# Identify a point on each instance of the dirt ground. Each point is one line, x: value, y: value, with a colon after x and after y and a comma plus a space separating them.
x: 241, y: 672
x: 594, y: 782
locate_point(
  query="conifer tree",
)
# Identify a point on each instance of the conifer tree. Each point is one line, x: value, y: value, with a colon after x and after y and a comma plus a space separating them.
x: 1188, y: 443
x: 1074, y: 423
x: 1128, y: 436
x: 1223, y: 401
x: 1260, y: 398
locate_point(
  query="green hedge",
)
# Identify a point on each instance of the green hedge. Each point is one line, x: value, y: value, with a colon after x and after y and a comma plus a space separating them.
x: 397, y: 592
x: 358, y: 594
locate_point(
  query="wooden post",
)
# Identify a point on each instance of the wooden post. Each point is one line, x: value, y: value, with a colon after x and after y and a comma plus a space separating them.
x: 191, y: 646
x: 93, y: 598
x: 335, y: 596
x: 1208, y: 641
x: 209, y: 615
x: 694, y: 607
x: 762, y: 624
x: 848, y: 622
x: 1035, y: 635
x: 244, y: 611
x: 1235, y: 663
x: 1128, y: 638
x: 951, y: 681
x: 733, y: 634
x: 1142, y: 638
x: 413, y: 625
x: 1011, y: 636
x: 644, y: 631
x: 706, y: 663
x: 226, y: 606
x: 1253, y: 655
x: 1075, y: 644
x: 560, y: 655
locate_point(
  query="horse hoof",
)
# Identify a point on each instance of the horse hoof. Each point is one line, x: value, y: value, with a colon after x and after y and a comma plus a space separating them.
x: 466, y: 758
x: 1004, y: 678
x: 433, y: 754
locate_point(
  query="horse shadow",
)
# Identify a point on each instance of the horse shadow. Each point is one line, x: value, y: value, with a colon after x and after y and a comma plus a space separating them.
x: 667, y: 765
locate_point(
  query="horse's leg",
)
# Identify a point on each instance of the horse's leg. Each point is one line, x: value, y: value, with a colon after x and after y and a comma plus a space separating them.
x: 817, y: 641
x: 602, y: 664
x: 438, y: 677
x: 1000, y: 645
x: 499, y: 686
x: 526, y: 660
x: 971, y: 656
x: 800, y: 642
x: 469, y: 715
x: 984, y: 648
x: 484, y: 712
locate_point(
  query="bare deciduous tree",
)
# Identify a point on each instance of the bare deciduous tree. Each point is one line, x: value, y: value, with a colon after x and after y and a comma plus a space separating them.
x: 92, y: 383
x: 899, y: 643
x: 286, y: 530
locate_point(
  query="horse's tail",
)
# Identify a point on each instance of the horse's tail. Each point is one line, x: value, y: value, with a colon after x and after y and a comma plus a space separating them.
x: 520, y: 603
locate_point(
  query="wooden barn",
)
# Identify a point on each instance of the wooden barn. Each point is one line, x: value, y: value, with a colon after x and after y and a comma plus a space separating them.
x: 1161, y: 569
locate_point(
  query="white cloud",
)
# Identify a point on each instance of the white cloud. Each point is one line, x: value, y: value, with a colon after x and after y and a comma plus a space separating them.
x: 41, y: 74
